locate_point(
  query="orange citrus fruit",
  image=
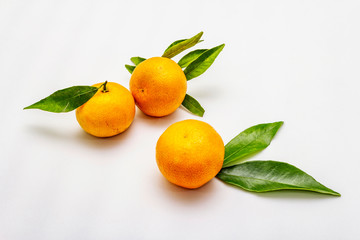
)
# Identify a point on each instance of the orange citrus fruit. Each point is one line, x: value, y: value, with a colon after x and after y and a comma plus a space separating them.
x: 107, y: 113
x: 158, y: 85
x: 190, y: 153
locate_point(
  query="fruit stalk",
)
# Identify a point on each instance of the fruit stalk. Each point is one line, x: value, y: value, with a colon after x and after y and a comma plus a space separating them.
x: 104, y: 87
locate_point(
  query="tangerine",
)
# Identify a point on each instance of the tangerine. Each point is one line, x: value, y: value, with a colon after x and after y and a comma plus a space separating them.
x: 158, y: 85
x: 109, y: 112
x: 190, y: 153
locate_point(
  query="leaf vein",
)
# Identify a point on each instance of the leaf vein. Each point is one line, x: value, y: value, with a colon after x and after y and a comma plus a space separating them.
x: 262, y: 180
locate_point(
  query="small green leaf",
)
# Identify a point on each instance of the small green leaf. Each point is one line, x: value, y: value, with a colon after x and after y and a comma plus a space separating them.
x: 65, y: 100
x: 130, y: 68
x: 203, y: 62
x: 174, y: 43
x: 179, y: 41
x: 193, y: 106
x: 180, y: 45
x: 190, y: 57
x: 265, y: 176
x: 137, y: 60
x: 250, y: 141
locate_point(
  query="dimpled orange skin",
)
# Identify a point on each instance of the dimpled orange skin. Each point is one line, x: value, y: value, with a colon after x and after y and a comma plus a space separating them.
x: 109, y: 113
x: 190, y: 153
x: 159, y: 86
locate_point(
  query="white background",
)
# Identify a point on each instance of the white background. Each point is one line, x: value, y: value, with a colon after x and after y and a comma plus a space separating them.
x: 296, y: 61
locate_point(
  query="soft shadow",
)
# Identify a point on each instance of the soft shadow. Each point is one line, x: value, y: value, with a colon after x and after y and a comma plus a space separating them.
x: 210, y: 92
x: 80, y: 136
x: 49, y: 132
x: 183, y: 195
x: 158, y: 121
x: 106, y: 142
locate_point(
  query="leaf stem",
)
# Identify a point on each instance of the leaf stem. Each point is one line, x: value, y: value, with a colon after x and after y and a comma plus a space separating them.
x: 104, y: 87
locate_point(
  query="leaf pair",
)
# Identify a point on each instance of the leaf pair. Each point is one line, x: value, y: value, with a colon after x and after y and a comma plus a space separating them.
x: 171, y: 51
x: 195, y: 64
x: 263, y: 176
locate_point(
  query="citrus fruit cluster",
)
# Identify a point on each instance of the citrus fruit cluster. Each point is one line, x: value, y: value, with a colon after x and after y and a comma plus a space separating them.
x: 158, y: 87
x: 189, y: 153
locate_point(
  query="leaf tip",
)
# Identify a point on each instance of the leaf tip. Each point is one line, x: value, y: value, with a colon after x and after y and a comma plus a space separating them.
x: 29, y: 107
x: 221, y: 46
x: 280, y: 123
x: 201, y: 114
x: 336, y: 194
x: 130, y: 68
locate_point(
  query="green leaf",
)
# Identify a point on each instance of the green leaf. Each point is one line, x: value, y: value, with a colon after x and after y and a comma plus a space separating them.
x: 190, y: 57
x: 174, y: 43
x: 250, y: 141
x: 193, y: 106
x: 180, y: 45
x: 130, y: 68
x: 137, y: 60
x: 65, y: 100
x: 203, y: 62
x: 265, y: 176
x: 179, y: 41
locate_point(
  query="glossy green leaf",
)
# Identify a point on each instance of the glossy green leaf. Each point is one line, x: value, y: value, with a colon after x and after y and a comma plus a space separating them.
x: 203, y: 62
x: 137, y: 60
x: 265, y: 176
x: 190, y: 57
x: 130, y: 68
x: 65, y: 100
x: 193, y: 106
x: 250, y: 141
x: 180, y: 45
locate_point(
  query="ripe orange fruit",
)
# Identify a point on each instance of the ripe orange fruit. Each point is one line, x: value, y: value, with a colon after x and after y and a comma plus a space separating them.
x: 190, y: 153
x: 158, y: 85
x: 107, y: 113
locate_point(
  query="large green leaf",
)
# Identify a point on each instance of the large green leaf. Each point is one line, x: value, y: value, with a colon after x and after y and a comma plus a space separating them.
x: 130, y: 68
x: 203, y: 62
x: 265, y: 176
x: 65, y: 100
x: 190, y: 57
x: 193, y: 106
x: 137, y: 60
x: 250, y: 141
x: 180, y: 45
